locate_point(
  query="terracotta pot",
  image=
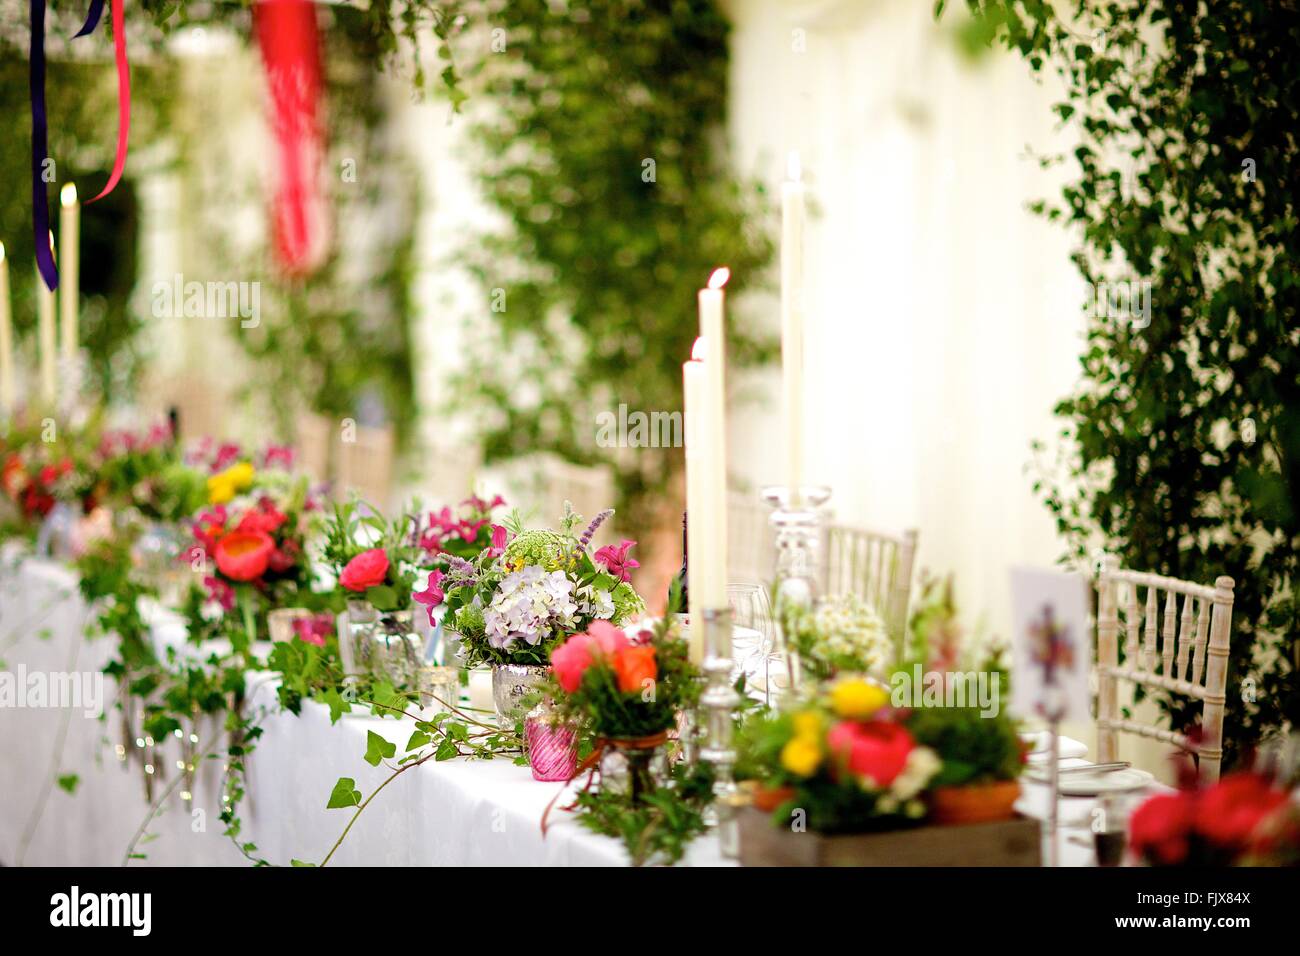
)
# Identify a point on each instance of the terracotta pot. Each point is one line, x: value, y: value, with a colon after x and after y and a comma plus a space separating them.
x: 768, y: 799
x: 978, y: 803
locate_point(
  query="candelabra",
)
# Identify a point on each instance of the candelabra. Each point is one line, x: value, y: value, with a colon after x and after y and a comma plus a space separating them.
x: 719, y: 702
x: 797, y: 520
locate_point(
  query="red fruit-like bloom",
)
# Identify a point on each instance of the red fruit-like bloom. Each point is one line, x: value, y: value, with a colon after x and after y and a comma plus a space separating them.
x: 876, y: 751
x: 1159, y: 830
x: 1228, y: 812
x: 367, y: 570
x: 244, y: 555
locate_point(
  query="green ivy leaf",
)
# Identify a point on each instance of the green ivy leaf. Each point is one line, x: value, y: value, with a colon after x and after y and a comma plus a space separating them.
x: 377, y: 748
x: 418, y: 739
x: 68, y: 782
x: 344, y: 795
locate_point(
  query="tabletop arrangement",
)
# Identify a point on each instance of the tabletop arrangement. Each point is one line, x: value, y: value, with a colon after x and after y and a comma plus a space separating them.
x: 254, y: 613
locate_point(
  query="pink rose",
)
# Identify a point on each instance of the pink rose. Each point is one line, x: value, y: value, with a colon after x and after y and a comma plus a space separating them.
x: 875, y: 751
x: 607, y: 637
x: 367, y: 570
x: 571, y: 659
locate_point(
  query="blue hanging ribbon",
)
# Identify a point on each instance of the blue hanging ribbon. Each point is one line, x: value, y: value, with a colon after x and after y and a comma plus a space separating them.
x: 40, y: 199
x: 92, y: 19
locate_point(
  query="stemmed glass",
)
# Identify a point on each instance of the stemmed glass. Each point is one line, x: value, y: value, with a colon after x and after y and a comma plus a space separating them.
x: 754, y: 631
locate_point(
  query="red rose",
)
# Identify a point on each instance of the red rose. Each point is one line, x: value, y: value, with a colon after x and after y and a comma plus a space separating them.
x: 876, y: 751
x: 1160, y: 828
x: 1228, y: 812
x: 367, y: 570
x: 265, y: 519
x: 243, y: 555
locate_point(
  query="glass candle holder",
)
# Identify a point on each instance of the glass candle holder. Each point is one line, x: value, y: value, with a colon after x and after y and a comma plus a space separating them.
x: 552, y: 746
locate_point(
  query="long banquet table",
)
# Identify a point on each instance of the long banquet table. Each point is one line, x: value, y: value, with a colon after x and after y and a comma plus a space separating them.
x: 453, y: 813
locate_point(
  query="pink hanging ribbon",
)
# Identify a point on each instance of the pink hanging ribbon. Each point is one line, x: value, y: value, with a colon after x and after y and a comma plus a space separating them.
x: 123, y: 87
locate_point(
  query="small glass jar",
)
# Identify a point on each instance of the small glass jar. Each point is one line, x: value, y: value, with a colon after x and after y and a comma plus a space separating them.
x: 552, y: 745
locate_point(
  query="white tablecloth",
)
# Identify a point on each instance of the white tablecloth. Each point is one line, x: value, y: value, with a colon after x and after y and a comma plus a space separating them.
x: 454, y: 813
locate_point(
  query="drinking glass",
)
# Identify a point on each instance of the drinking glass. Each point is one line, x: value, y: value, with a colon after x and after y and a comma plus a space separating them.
x: 754, y: 632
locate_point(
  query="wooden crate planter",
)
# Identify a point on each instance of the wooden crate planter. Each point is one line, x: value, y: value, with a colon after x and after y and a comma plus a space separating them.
x: 1014, y: 842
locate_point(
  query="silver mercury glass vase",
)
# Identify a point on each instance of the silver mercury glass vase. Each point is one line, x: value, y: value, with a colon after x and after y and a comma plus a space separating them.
x: 511, y: 686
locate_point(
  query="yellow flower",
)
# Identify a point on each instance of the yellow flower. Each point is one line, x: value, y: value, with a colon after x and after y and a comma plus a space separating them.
x: 855, y: 699
x: 808, y: 724
x: 224, y: 485
x: 801, y: 756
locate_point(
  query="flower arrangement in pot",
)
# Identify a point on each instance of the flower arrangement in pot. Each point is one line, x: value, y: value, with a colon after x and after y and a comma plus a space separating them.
x: 982, y: 758
x: 624, y: 689
x: 528, y: 591
x: 251, y: 552
x: 1247, y: 818
x: 843, y: 756
x: 377, y: 563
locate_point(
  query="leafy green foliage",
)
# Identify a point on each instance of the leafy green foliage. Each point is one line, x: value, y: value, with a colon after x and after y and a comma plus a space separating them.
x: 973, y: 748
x: 662, y: 824
x: 592, y: 288
x: 1181, y: 446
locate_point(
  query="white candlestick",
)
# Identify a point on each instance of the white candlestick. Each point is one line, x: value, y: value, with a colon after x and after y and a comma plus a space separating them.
x: 792, y: 218
x: 712, y: 333
x: 69, y: 270
x: 45, y: 335
x: 6, y: 339
x: 698, y: 538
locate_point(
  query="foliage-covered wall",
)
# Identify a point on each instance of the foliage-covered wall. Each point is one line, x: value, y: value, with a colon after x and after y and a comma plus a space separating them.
x: 1183, y: 438
x: 604, y: 147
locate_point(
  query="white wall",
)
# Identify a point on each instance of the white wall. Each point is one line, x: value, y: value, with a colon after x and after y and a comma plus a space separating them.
x: 944, y: 318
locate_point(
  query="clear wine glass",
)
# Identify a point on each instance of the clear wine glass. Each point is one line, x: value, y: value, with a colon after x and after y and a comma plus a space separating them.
x: 753, y: 633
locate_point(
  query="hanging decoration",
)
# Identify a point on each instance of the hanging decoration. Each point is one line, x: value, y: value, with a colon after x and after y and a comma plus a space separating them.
x: 40, y: 134
x: 288, y: 38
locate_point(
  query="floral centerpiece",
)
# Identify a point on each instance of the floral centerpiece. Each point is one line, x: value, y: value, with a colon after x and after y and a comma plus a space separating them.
x: 1243, y: 819
x: 377, y: 564
x: 528, y: 591
x: 844, y: 757
x: 625, y: 689
x: 252, y: 553
x: 41, y: 469
x: 842, y: 634
x: 463, y: 532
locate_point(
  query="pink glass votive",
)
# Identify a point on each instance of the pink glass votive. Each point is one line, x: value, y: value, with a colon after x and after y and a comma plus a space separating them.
x: 552, y: 748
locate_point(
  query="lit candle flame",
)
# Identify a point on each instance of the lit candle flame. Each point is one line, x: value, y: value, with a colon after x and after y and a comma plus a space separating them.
x: 794, y: 169
x: 719, y: 277
x: 700, y: 350
x: 2, y: 252
x: 68, y: 195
